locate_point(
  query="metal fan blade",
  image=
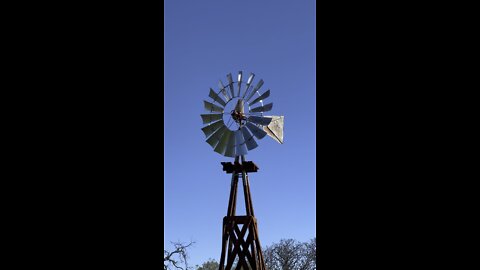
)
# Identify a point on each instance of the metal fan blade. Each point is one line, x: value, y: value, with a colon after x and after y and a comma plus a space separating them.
x: 264, y: 108
x: 216, y: 98
x: 215, y: 138
x: 222, y: 144
x: 249, y: 140
x: 224, y: 92
x: 239, y: 82
x: 230, y: 150
x: 249, y: 82
x: 230, y: 83
x: 258, y: 132
x: 227, y: 96
x: 250, y: 78
x: 262, y: 97
x: 259, y: 84
x: 207, y: 118
x: 275, y: 129
x: 260, y: 120
x: 208, y: 130
x: 212, y: 107
x: 241, y: 148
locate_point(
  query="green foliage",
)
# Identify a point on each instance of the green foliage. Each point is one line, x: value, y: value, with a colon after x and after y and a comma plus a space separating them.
x: 211, y: 264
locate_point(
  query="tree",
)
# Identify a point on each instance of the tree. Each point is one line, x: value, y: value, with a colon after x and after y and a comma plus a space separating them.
x: 290, y: 254
x: 211, y: 264
x: 311, y: 252
x: 176, y: 258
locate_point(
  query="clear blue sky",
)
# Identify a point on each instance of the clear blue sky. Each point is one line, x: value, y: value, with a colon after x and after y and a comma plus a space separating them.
x: 204, y: 41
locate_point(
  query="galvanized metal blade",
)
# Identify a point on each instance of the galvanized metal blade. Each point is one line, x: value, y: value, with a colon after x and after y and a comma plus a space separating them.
x: 230, y: 150
x: 239, y: 82
x: 249, y: 140
x: 230, y: 83
x: 208, y: 130
x: 260, y: 120
x: 207, y: 118
x: 258, y: 132
x: 216, y: 136
x: 250, y: 78
x: 212, y: 107
x: 216, y: 98
x: 262, y: 97
x: 275, y: 129
x: 224, y: 91
x: 222, y: 144
x: 264, y: 108
x: 249, y: 82
x: 259, y: 84
x: 241, y: 148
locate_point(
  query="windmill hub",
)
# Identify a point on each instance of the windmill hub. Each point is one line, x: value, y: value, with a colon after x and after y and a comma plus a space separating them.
x: 238, y: 114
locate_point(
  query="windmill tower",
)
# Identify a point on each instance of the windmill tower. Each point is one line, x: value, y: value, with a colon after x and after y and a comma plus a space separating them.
x: 232, y: 132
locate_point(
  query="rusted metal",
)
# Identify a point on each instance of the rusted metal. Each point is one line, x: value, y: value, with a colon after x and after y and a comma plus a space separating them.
x: 275, y: 128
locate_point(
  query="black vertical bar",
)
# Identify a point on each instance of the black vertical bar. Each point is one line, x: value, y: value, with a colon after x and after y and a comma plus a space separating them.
x: 233, y: 194
x: 234, y: 205
x: 224, y: 245
x: 245, y: 193
x: 250, y: 202
x: 245, y: 190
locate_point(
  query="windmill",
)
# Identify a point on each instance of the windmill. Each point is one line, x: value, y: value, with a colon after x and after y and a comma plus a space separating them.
x: 231, y: 132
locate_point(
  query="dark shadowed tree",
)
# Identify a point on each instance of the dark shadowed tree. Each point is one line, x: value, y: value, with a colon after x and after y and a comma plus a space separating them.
x: 311, y: 252
x: 176, y: 259
x: 290, y: 254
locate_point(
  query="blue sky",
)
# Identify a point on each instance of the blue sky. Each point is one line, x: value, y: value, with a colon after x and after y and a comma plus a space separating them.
x: 204, y: 41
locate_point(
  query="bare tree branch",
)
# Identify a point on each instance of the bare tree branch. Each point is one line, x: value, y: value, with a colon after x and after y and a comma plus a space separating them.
x: 177, y: 257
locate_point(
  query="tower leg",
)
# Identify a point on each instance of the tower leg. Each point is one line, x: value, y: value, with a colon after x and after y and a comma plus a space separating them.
x: 240, y: 241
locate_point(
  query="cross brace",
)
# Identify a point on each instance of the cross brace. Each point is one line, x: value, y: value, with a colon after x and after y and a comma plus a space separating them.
x: 240, y: 239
